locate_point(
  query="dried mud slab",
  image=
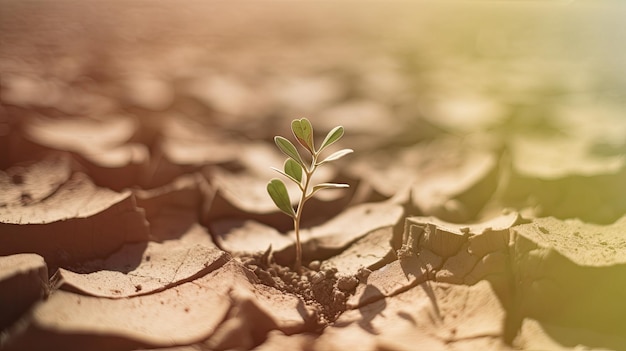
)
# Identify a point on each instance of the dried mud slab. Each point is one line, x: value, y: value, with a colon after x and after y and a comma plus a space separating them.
x: 431, y: 315
x: 448, y: 178
x: 190, y: 313
x: 471, y: 252
x: 228, y: 96
x: 174, y: 209
x: 23, y: 282
x: 256, y: 310
x: 65, y: 218
x: 185, y: 145
x: 391, y: 279
x: 571, y: 274
x: 368, y: 252
x: 179, y: 315
x: 588, y: 183
x: 336, y: 234
x: 184, y: 193
x: 248, y: 237
x: 140, y: 269
x: 244, y: 196
x: 104, y: 144
x: 23, y: 185
x: 444, y: 252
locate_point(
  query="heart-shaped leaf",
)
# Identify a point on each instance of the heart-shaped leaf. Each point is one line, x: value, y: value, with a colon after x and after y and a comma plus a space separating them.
x: 289, y: 149
x: 293, y: 169
x: 323, y: 186
x: 303, y: 131
x: 336, y: 155
x: 332, y: 136
x: 278, y: 192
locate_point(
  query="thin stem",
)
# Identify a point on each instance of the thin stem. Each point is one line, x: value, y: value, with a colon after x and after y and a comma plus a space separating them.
x: 296, y: 225
x: 298, y: 216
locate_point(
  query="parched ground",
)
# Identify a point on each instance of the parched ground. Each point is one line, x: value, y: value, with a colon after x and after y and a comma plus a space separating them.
x: 487, y: 199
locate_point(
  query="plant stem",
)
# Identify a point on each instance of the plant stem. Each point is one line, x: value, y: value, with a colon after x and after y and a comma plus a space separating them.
x: 296, y: 225
x: 296, y: 219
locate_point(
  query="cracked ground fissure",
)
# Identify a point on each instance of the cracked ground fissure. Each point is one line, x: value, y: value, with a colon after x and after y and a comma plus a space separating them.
x: 154, y: 124
x: 409, y: 255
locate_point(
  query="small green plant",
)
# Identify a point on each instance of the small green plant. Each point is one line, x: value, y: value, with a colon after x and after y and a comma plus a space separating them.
x: 300, y: 171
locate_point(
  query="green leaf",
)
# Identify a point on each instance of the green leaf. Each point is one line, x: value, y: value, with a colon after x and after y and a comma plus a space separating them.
x: 303, y: 131
x: 332, y: 136
x: 278, y: 192
x: 293, y: 169
x: 328, y: 186
x: 336, y: 155
x: 288, y: 149
x: 287, y: 175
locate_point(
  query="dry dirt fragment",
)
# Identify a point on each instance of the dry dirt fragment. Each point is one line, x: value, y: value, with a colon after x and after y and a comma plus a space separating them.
x: 455, y: 181
x: 81, y: 135
x: 449, y: 178
x: 393, y: 278
x: 367, y: 252
x: 281, y: 311
x: 436, y: 250
x: 571, y: 274
x: 248, y: 237
x: 181, y: 315
x: 27, y: 184
x: 245, y: 189
x: 185, y: 314
x: 228, y: 96
x: 348, y: 226
x: 173, y: 210
x: 589, y: 182
x: 470, y: 252
x: 433, y: 316
x: 185, y: 145
x: 104, y: 143
x: 143, y: 268
x: 72, y: 220
x: 23, y: 282
x: 183, y: 193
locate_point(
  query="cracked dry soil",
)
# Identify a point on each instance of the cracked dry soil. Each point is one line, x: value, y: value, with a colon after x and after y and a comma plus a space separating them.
x: 486, y: 204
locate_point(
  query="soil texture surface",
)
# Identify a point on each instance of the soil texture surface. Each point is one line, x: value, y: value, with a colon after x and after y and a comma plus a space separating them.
x: 486, y: 207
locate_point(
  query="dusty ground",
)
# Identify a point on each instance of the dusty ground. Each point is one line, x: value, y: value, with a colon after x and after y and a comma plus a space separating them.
x: 487, y: 207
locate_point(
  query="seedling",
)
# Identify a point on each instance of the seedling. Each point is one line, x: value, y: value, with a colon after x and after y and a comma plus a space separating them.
x: 300, y: 171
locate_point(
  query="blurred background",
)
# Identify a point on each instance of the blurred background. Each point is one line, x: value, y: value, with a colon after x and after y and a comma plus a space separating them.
x: 527, y: 96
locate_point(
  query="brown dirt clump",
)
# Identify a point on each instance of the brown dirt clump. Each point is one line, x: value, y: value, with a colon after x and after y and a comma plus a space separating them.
x: 322, y: 289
